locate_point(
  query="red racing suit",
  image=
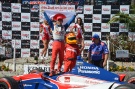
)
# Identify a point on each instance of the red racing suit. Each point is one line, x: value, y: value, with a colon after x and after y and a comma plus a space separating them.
x: 71, y: 53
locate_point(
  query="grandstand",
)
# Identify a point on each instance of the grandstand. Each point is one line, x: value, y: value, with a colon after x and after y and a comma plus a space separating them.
x: 75, y: 2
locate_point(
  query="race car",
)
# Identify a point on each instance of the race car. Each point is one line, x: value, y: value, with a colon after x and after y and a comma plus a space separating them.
x: 82, y: 76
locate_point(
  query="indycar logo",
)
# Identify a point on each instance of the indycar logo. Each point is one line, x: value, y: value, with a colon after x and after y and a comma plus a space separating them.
x: 34, y: 43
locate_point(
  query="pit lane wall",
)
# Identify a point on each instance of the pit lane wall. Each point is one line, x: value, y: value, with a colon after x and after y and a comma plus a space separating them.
x: 20, y: 23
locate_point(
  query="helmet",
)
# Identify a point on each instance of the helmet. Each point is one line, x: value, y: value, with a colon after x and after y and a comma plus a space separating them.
x: 71, y: 38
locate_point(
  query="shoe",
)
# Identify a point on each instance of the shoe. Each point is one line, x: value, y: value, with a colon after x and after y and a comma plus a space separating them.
x: 51, y: 73
x: 41, y: 57
x: 58, y: 72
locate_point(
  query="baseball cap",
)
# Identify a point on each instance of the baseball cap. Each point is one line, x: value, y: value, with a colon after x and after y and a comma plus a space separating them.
x: 95, y: 36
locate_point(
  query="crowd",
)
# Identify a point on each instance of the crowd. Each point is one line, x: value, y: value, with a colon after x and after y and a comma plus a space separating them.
x: 70, y: 45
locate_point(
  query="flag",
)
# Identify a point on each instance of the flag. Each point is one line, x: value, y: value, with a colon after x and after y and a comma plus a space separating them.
x: 52, y: 13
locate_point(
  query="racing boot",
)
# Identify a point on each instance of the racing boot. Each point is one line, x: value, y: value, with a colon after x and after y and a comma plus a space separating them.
x: 52, y: 73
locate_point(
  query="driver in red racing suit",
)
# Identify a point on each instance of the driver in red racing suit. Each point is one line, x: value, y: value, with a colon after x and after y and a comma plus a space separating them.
x: 58, y: 31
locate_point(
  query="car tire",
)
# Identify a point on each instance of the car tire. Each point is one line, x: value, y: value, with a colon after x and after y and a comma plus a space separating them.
x: 8, y: 83
x: 131, y: 79
x: 36, y: 71
x: 126, y: 86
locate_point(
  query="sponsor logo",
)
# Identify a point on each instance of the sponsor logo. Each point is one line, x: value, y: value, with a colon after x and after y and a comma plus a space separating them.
x: 35, y: 26
x: 25, y: 17
x: 25, y: 52
x: 6, y: 34
x: 25, y: 35
x: 87, y: 44
x: 87, y: 9
x: 16, y: 7
x: 27, y: 85
x: 6, y: 16
x: 96, y: 18
x: 66, y: 79
x: 122, y: 27
x: 105, y: 27
x: 88, y: 69
x: 34, y: 43
x: 5, y: 7
x: 16, y: 26
x: 17, y: 43
x: 105, y: 9
x: 87, y: 27
x: 124, y: 9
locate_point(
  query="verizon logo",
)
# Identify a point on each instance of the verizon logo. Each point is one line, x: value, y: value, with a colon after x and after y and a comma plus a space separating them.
x: 87, y: 9
x: 124, y: 9
x: 25, y: 17
x: 105, y: 9
x: 96, y: 18
x: 16, y: 7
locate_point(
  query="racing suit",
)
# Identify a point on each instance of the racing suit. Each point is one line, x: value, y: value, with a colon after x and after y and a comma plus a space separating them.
x: 58, y: 43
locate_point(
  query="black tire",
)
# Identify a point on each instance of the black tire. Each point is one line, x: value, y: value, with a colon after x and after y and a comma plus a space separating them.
x: 131, y: 79
x: 126, y: 86
x: 8, y: 83
x: 36, y: 71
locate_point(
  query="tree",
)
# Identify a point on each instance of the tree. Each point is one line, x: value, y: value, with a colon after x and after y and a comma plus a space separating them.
x: 127, y: 19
